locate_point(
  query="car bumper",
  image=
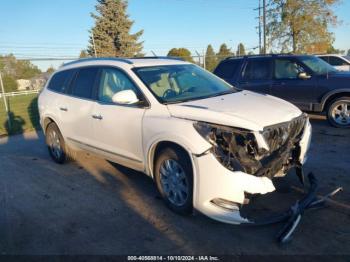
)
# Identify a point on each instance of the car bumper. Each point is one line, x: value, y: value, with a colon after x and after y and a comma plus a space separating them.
x: 215, y: 182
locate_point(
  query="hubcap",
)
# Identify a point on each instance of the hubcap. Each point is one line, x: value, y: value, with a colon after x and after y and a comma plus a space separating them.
x: 54, y: 143
x: 174, y: 182
x: 341, y: 113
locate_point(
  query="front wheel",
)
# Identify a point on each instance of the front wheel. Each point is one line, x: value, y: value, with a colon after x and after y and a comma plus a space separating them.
x: 174, y: 179
x: 338, y: 113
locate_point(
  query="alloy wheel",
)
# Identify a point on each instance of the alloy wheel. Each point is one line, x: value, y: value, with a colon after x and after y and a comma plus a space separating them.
x: 174, y: 182
x: 341, y: 113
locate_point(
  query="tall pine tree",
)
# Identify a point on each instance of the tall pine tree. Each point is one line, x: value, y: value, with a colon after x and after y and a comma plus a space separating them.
x: 211, y: 60
x: 240, y: 50
x: 111, y: 33
x: 224, y: 52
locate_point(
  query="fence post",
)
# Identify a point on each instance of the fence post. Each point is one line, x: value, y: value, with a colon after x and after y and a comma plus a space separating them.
x: 5, y: 103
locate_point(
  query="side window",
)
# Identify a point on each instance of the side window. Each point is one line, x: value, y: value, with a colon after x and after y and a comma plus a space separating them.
x: 257, y: 69
x: 60, y: 81
x: 113, y: 81
x: 228, y: 68
x: 84, y: 82
x: 336, y: 61
x: 325, y: 58
x: 287, y: 69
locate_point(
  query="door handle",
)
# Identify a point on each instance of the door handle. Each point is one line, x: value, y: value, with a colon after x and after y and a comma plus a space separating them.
x: 65, y: 109
x: 98, y: 117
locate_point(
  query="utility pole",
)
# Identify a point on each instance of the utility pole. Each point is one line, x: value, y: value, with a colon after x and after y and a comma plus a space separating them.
x: 264, y: 25
x: 260, y: 51
x: 5, y: 103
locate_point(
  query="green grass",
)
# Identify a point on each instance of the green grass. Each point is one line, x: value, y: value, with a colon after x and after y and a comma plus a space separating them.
x: 24, y: 115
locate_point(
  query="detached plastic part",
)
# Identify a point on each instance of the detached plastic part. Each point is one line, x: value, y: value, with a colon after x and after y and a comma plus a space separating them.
x: 293, y: 215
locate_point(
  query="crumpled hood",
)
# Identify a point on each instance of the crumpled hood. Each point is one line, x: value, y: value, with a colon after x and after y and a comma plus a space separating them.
x: 243, y: 109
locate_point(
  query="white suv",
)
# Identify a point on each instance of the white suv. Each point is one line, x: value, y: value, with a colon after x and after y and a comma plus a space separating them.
x: 207, y: 145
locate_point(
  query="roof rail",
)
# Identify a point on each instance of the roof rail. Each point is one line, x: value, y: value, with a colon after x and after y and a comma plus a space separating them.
x: 127, y: 60
x: 158, y: 57
x: 261, y: 55
x: 82, y: 60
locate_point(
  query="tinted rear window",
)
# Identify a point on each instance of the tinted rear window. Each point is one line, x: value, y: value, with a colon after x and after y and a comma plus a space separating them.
x: 84, y: 82
x: 60, y: 81
x: 227, y: 69
x: 257, y: 69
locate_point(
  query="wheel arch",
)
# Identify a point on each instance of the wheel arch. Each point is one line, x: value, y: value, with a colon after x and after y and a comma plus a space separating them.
x: 334, y: 95
x: 157, y: 146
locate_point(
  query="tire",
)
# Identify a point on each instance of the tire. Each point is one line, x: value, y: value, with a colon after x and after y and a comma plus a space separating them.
x: 338, y: 112
x: 174, y: 179
x: 55, y: 144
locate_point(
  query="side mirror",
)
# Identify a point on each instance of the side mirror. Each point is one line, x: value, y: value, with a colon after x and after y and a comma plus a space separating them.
x: 304, y: 76
x: 126, y: 97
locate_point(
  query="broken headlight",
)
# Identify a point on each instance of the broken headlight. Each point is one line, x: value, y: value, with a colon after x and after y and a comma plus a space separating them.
x: 236, y: 149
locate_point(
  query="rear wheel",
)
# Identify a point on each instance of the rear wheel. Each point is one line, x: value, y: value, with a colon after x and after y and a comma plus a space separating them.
x: 55, y: 144
x: 338, y: 113
x: 174, y: 179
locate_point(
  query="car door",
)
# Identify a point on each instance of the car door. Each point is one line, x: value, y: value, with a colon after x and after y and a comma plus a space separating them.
x: 77, y: 106
x: 257, y: 75
x: 291, y: 85
x: 118, y: 128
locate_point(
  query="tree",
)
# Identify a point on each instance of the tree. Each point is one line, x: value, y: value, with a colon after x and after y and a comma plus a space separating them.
x: 50, y: 70
x: 83, y: 54
x: 10, y: 84
x: 18, y: 69
x: 211, y: 60
x: 26, y: 70
x: 224, y: 52
x: 240, y: 50
x: 332, y: 50
x: 182, y: 53
x: 111, y: 35
x: 348, y: 52
x: 301, y: 26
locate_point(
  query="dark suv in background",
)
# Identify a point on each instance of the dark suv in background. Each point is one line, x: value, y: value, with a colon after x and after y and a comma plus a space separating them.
x: 306, y: 81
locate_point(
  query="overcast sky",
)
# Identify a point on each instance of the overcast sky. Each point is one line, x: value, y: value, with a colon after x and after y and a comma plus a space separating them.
x: 37, y: 28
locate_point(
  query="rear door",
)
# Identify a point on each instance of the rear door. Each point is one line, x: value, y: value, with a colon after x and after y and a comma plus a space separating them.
x: 77, y: 107
x: 287, y: 84
x: 257, y: 75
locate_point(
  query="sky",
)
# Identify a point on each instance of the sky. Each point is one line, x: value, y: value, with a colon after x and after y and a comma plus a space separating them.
x: 60, y: 28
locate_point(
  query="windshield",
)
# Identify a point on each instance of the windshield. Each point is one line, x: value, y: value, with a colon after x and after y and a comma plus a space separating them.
x: 317, y: 65
x: 180, y: 83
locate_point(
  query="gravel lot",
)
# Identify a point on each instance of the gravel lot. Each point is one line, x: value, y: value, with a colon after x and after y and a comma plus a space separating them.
x: 93, y: 207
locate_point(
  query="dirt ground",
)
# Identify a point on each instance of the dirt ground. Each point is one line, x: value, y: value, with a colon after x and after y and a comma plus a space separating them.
x: 93, y: 207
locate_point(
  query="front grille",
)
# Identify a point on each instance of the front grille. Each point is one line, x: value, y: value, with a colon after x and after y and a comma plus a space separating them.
x: 277, y: 135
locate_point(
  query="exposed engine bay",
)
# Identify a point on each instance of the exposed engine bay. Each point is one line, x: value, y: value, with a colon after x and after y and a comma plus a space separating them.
x: 239, y: 150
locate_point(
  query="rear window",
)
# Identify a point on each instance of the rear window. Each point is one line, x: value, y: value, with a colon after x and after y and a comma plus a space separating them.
x: 60, y: 81
x: 84, y: 82
x: 227, y: 69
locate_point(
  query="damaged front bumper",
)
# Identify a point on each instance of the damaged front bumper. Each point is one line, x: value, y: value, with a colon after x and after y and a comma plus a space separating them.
x: 220, y: 192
